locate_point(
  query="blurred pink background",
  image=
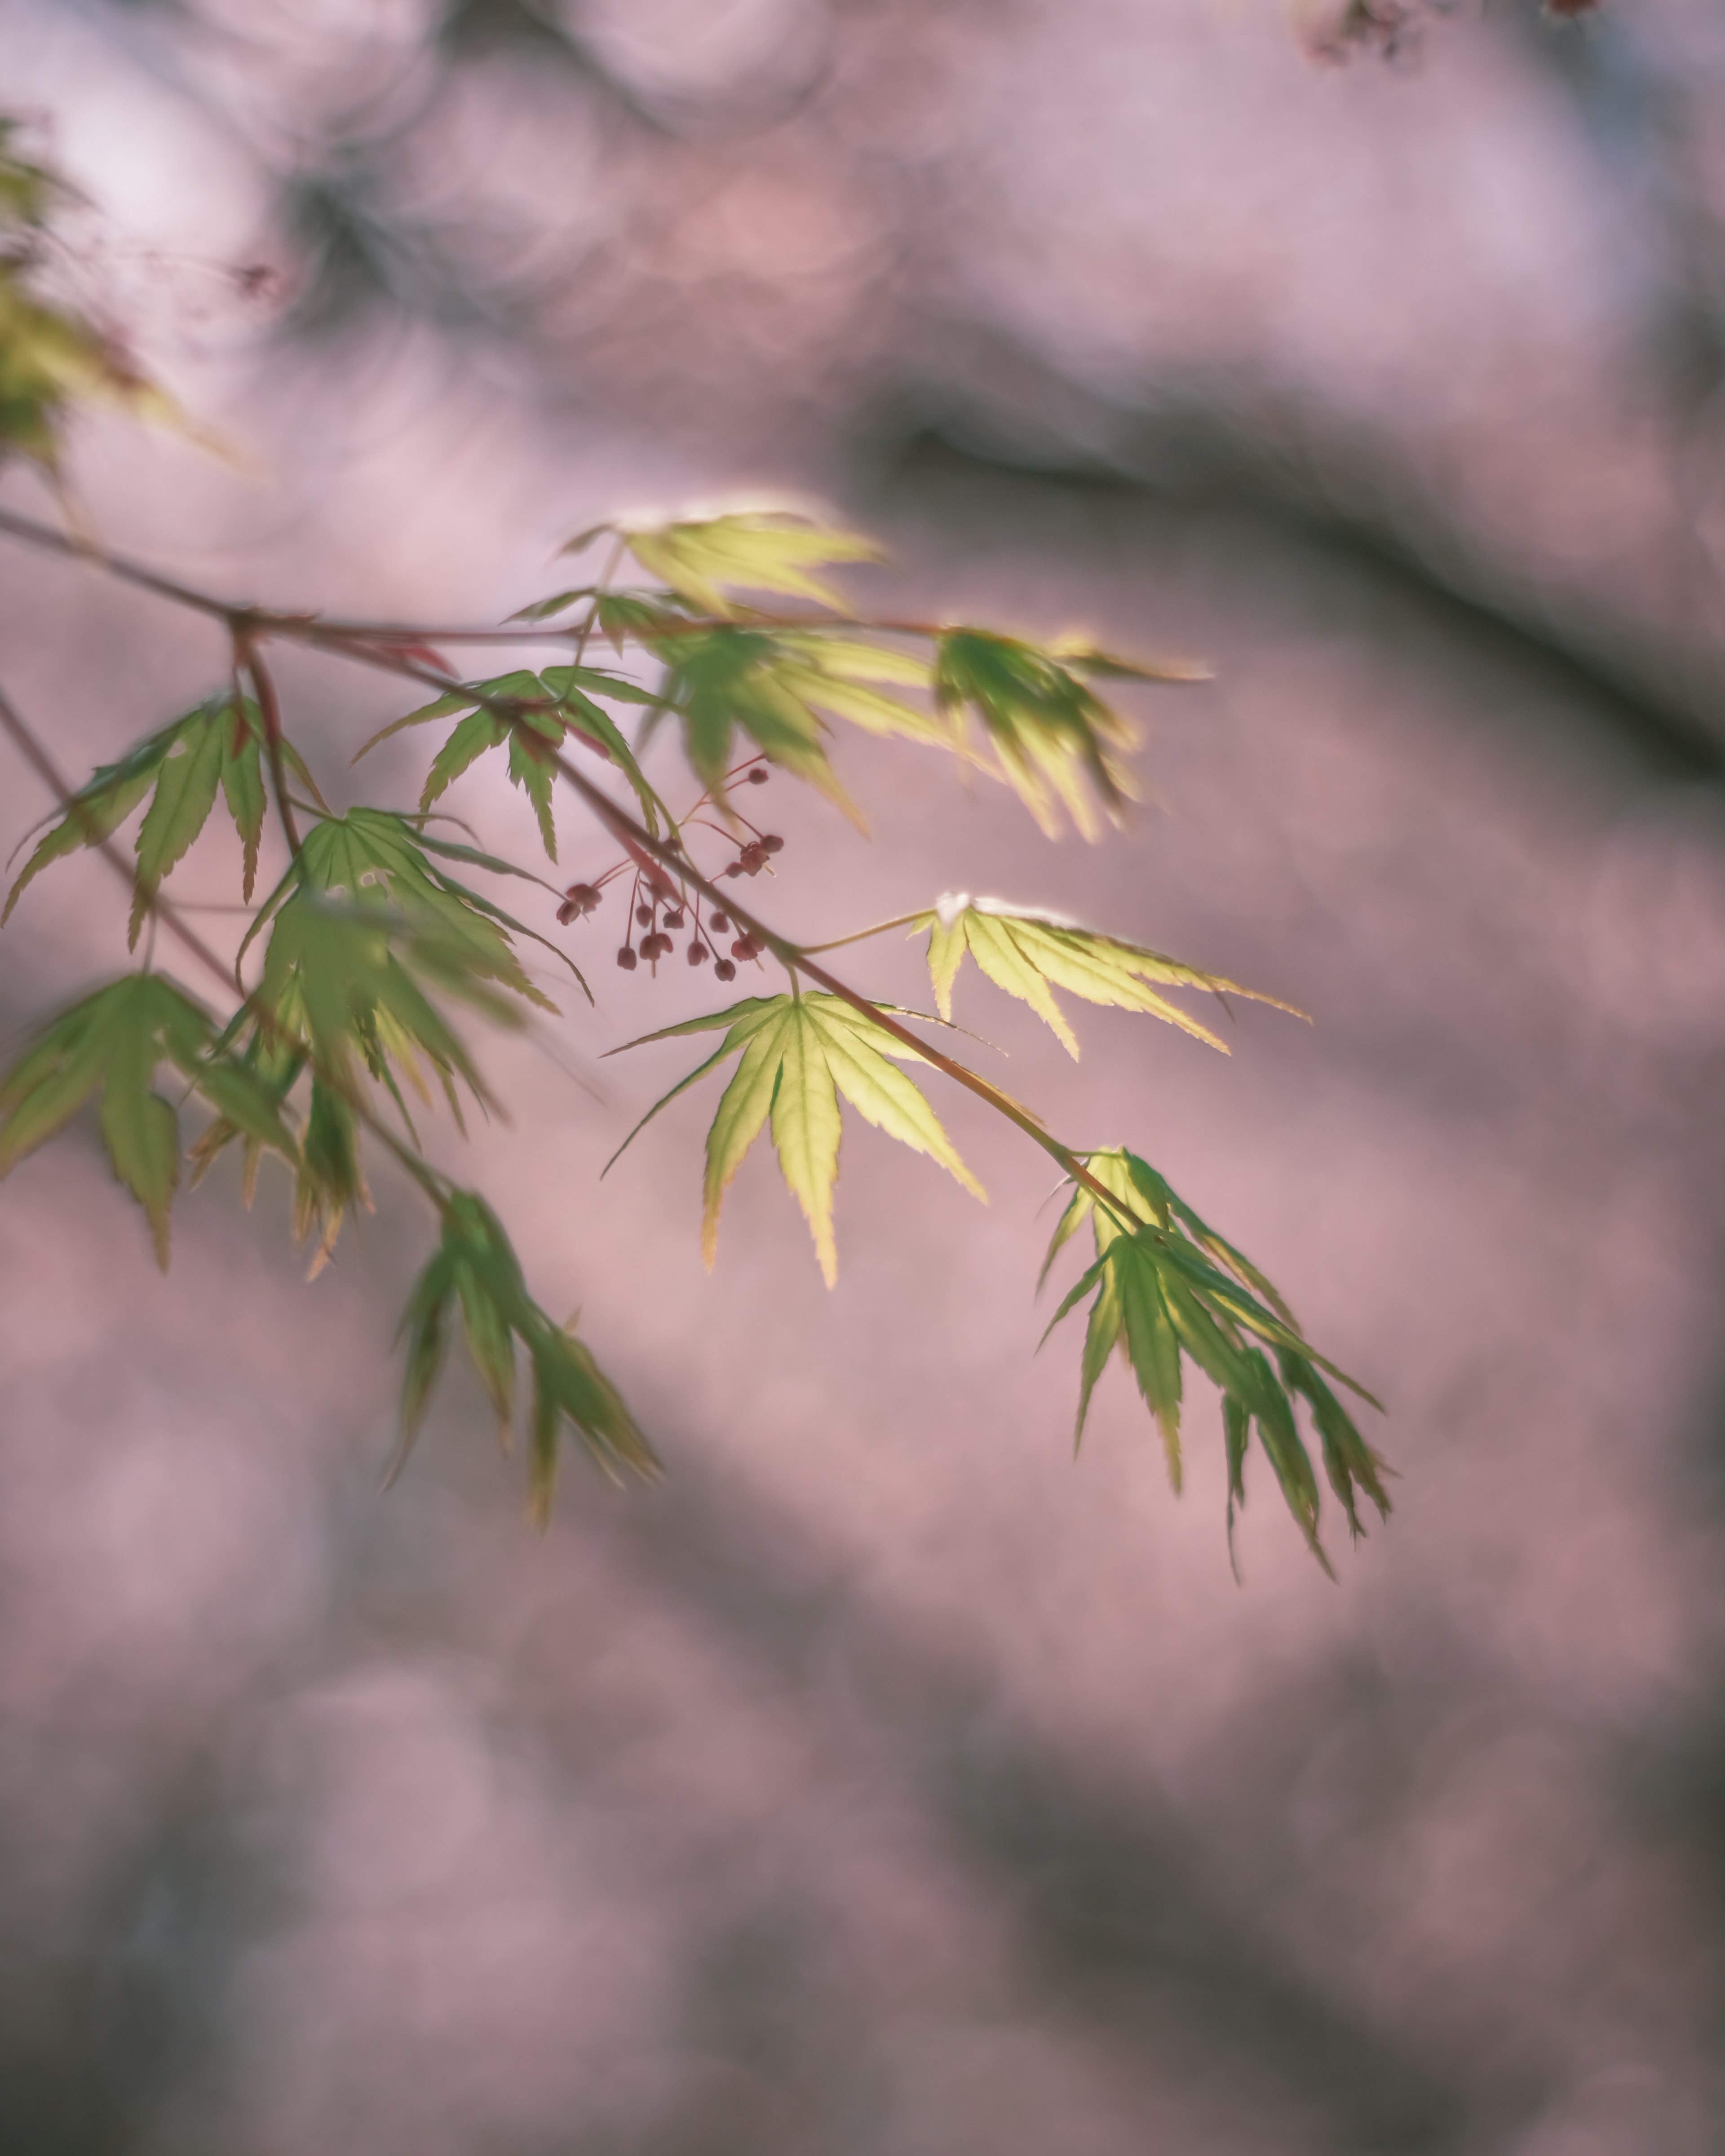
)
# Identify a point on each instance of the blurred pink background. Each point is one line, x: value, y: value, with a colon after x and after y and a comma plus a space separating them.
x: 886, y: 1781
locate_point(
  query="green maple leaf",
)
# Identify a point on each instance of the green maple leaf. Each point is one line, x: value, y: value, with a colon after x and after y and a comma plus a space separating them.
x: 1028, y: 952
x: 1165, y: 1285
x: 623, y: 617
x: 798, y: 1055
x: 111, y: 1043
x: 531, y: 714
x: 1056, y: 741
x: 475, y: 1270
x: 704, y: 559
x: 216, y: 747
x: 773, y: 685
x: 363, y: 930
x: 375, y: 858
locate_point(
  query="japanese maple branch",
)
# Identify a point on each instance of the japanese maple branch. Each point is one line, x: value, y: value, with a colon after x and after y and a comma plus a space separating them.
x: 367, y: 644
x: 318, y: 630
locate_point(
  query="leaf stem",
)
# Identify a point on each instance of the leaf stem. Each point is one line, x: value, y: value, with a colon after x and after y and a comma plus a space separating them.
x: 880, y: 927
x: 247, y: 654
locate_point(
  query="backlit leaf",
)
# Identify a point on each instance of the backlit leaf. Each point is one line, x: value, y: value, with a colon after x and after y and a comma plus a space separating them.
x: 799, y: 1054
x: 1166, y: 1284
x: 1027, y: 952
x: 749, y: 550
x: 721, y: 680
x: 1056, y: 741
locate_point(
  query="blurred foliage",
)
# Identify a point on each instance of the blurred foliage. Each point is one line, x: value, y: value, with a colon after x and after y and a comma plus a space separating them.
x: 52, y: 357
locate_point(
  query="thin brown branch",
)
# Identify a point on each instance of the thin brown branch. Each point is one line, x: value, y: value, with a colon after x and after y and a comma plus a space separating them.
x: 317, y: 629
x: 115, y: 565
x: 246, y: 654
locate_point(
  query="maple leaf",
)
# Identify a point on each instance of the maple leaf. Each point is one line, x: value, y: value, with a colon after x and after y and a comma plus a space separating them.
x: 524, y: 711
x: 719, y: 679
x: 50, y: 356
x: 1165, y: 1283
x: 1028, y: 952
x: 375, y: 858
x: 702, y: 559
x: 112, y: 1042
x: 475, y: 1269
x: 798, y: 1055
x: 217, y: 747
x: 1049, y: 730
x: 362, y: 930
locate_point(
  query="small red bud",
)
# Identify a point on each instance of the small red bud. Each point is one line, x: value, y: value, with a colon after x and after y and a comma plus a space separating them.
x: 697, y: 953
x: 735, y: 868
x: 626, y: 959
x: 771, y: 842
x: 757, y: 777
x: 724, y: 970
x: 674, y: 919
x: 721, y: 921
x: 567, y: 910
x: 644, y: 914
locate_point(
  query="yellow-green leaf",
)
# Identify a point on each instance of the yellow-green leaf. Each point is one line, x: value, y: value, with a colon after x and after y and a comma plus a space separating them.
x: 704, y: 560
x: 1027, y: 952
x: 798, y: 1055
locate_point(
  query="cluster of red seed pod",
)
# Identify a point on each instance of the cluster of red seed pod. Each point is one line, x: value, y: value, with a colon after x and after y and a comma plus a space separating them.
x: 753, y: 857
x: 659, y: 907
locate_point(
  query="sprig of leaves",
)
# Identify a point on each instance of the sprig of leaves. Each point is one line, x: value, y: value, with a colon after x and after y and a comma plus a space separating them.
x: 475, y: 1269
x: 1165, y: 1284
x: 1027, y: 952
x: 218, y: 746
x: 530, y: 713
x: 112, y: 1043
x: 798, y: 1054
